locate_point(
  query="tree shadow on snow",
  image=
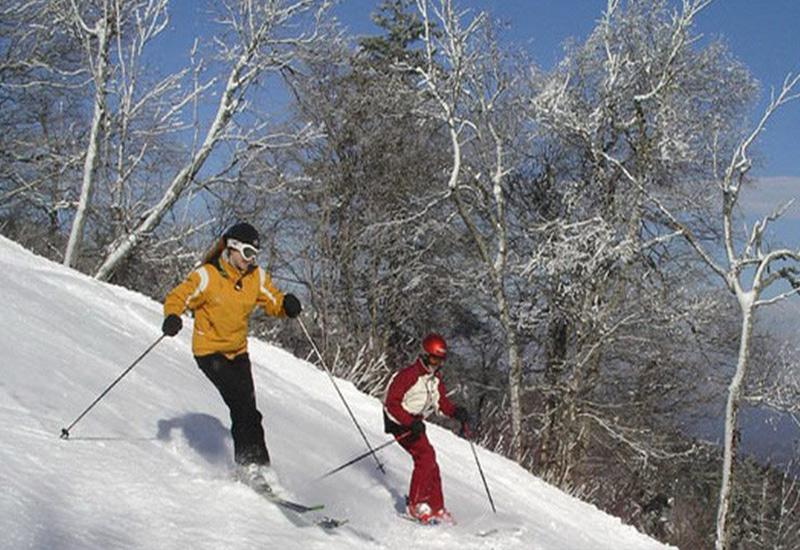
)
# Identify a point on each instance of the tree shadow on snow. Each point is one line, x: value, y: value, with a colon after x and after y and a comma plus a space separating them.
x: 204, y: 433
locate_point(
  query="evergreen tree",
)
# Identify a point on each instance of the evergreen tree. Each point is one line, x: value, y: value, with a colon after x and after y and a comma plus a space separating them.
x: 403, y: 29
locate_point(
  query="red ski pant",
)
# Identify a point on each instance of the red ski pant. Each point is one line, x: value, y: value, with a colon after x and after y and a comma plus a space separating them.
x: 426, y: 484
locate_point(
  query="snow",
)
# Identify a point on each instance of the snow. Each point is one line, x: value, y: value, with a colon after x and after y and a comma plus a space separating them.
x: 150, y: 466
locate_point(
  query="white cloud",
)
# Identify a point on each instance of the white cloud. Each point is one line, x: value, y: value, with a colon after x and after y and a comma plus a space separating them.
x: 781, y: 318
x: 767, y: 194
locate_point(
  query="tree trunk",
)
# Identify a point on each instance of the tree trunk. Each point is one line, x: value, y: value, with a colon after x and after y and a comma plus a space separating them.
x: 90, y: 162
x: 123, y: 246
x: 515, y: 394
x: 556, y: 356
x: 731, y: 413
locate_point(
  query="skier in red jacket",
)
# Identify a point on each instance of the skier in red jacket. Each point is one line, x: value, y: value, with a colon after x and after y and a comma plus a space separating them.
x: 413, y: 394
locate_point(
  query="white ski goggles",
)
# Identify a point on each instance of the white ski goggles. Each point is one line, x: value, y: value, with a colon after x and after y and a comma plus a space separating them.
x: 248, y: 251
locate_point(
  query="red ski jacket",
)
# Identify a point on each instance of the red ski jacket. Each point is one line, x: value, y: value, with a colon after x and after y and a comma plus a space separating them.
x: 414, y: 393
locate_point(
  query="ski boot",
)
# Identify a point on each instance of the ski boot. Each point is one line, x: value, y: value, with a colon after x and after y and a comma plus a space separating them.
x: 421, y: 512
x: 442, y: 517
x: 259, y: 477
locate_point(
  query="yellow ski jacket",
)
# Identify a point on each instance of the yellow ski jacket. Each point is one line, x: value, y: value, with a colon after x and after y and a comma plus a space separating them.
x: 222, y: 299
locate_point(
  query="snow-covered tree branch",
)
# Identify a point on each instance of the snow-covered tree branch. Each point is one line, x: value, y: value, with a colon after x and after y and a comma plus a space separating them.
x: 264, y: 38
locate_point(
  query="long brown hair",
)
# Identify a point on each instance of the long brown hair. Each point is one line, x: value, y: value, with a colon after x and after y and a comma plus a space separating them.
x: 214, y: 252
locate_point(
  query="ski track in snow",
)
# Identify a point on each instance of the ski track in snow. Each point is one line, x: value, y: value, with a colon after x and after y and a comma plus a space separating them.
x: 150, y: 466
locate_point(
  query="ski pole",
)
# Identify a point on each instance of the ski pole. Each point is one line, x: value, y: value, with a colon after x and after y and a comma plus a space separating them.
x: 346, y: 406
x: 465, y: 432
x: 361, y: 456
x: 65, y: 431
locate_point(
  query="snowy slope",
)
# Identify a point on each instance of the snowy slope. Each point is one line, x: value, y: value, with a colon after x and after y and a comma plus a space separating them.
x: 150, y: 465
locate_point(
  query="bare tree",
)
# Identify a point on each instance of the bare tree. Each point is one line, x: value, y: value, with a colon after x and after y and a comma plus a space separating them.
x: 131, y: 115
x: 41, y: 82
x: 635, y: 90
x: 262, y: 38
x: 749, y: 270
x: 96, y: 38
x: 774, y: 384
x: 369, y: 256
x: 478, y: 96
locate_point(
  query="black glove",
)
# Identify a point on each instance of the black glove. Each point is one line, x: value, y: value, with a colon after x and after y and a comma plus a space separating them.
x: 462, y: 415
x: 172, y: 325
x: 416, y: 429
x: 291, y: 305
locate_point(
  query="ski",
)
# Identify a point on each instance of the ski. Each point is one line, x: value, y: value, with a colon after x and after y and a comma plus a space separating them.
x: 327, y: 522
x: 268, y: 493
x: 483, y: 533
x: 498, y: 530
x: 410, y: 518
x: 296, y: 512
x: 293, y: 506
x: 432, y: 523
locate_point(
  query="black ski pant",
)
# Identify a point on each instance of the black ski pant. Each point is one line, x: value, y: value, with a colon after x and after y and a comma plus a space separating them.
x: 234, y: 380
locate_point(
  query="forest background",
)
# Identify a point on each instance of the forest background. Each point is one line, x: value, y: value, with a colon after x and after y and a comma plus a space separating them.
x: 600, y: 229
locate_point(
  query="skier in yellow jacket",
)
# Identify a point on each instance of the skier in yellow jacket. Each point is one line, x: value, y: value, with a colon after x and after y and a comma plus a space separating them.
x: 222, y: 293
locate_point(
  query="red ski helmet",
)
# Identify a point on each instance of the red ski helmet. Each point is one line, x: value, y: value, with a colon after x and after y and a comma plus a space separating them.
x: 433, y: 344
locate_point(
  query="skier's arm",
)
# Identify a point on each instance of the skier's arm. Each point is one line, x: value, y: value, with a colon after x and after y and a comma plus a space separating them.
x: 446, y: 406
x: 269, y: 298
x: 189, y: 294
x: 393, y: 404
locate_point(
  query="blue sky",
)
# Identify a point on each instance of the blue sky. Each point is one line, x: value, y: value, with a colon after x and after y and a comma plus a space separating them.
x: 762, y: 34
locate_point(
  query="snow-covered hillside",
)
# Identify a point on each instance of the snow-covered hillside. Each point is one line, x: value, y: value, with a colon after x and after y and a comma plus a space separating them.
x: 150, y: 466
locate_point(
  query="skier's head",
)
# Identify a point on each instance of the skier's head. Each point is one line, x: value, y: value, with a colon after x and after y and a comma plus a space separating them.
x: 434, y: 350
x: 243, y: 238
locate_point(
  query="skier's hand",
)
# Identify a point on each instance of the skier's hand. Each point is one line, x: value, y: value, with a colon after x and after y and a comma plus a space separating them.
x: 462, y: 415
x: 172, y: 325
x: 416, y: 429
x: 291, y: 306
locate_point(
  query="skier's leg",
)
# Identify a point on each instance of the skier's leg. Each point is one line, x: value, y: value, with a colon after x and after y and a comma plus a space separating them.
x: 425, y: 480
x: 435, y: 497
x: 234, y: 380
x: 245, y: 416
